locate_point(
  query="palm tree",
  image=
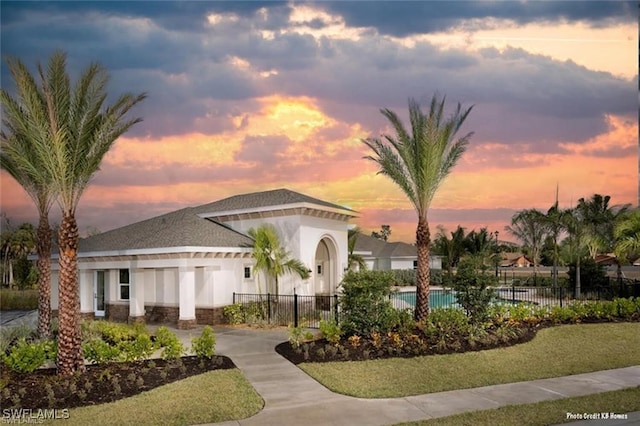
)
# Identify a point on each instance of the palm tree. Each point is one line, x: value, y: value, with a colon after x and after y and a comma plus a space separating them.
x: 273, y: 259
x: 577, y: 239
x: 69, y: 129
x: 529, y: 227
x: 627, y: 238
x: 553, y: 222
x: 20, y: 158
x: 354, y: 259
x: 451, y: 248
x: 418, y: 162
x: 600, y: 219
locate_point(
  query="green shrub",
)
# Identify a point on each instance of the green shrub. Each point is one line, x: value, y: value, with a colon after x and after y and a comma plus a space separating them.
x: 11, y: 334
x: 625, y: 308
x: 564, y: 314
x: 171, y: 346
x: 297, y: 336
x: 365, y: 305
x: 404, y: 322
x: 140, y: 348
x: 114, y: 333
x: 473, y: 293
x: 233, y: 313
x: 445, y: 323
x: 331, y: 331
x: 28, y: 357
x: 204, y: 346
x: 97, y: 351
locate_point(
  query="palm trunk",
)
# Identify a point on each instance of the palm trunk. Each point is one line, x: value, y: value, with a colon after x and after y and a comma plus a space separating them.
x: 423, y: 239
x: 577, y: 295
x: 69, y: 338
x: 44, y: 278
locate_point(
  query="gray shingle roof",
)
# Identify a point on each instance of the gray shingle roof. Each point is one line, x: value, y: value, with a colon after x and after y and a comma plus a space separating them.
x: 177, y: 229
x: 379, y: 248
x: 256, y: 200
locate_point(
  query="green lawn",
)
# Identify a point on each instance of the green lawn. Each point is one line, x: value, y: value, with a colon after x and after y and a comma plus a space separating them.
x: 544, y: 413
x: 211, y: 397
x: 554, y: 352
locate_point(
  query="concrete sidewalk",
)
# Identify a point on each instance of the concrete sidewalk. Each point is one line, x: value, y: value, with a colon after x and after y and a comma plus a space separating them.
x: 293, y: 398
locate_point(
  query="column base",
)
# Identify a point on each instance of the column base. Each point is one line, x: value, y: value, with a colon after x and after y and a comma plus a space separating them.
x: 135, y: 320
x: 186, y: 324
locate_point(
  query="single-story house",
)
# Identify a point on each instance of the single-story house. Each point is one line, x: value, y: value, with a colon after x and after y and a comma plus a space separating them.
x: 382, y: 255
x: 606, y: 259
x: 184, y: 266
x: 515, y: 260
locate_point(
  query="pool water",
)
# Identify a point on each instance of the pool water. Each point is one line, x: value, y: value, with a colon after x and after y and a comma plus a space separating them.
x: 437, y: 298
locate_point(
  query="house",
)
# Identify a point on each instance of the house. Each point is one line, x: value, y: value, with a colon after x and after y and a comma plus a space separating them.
x: 515, y: 260
x: 183, y: 267
x: 383, y: 255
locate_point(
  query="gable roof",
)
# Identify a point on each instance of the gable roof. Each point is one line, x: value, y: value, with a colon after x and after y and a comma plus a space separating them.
x: 259, y: 200
x: 182, y: 228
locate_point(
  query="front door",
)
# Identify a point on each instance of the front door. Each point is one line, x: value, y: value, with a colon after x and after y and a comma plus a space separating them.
x: 98, y: 294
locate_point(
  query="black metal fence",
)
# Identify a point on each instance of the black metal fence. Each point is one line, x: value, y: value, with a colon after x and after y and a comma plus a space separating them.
x: 308, y: 311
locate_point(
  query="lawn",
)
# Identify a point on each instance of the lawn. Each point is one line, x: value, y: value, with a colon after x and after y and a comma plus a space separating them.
x: 216, y: 396
x: 573, y: 349
x: 544, y: 413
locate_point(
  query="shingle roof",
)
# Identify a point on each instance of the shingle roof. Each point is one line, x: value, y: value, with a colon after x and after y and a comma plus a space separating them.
x: 177, y: 229
x: 379, y: 248
x: 257, y: 200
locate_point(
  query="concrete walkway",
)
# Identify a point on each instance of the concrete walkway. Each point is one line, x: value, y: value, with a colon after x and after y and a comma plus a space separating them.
x: 293, y: 398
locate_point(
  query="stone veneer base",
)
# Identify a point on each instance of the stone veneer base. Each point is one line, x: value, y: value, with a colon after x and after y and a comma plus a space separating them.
x: 186, y: 324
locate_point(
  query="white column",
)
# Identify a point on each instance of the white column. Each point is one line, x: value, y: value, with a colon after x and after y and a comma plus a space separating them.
x: 150, y: 286
x: 187, y: 297
x: 136, y: 295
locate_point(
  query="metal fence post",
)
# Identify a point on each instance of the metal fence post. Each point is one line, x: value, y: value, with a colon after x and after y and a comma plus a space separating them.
x: 295, y: 309
x: 268, y: 308
x: 561, y: 296
x: 234, y: 297
x: 335, y: 308
x: 513, y: 294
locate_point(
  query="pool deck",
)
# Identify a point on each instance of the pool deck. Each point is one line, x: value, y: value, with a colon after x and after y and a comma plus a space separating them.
x: 293, y: 398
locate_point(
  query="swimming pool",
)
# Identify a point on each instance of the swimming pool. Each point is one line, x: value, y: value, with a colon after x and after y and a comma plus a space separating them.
x: 437, y: 299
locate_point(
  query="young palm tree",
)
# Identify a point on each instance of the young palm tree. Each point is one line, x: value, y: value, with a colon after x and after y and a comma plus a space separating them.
x: 70, y: 129
x: 418, y: 161
x: 573, y: 222
x: 272, y: 258
x: 354, y: 259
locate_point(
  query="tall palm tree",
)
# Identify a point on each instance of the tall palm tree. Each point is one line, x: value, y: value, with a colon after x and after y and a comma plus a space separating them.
x: 600, y: 219
x: 272, y: 258
x: 20, y: 158
x: 418, y: 161
x: 451, y: 248
x: 70, y: 129
x: 577, y: 239
x: 529, y: 227
x: 553, y: 222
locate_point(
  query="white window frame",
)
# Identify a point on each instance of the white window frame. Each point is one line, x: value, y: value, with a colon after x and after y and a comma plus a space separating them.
x: 123, y: 284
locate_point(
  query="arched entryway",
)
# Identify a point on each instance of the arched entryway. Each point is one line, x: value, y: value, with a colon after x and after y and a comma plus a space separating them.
x: 325, y: 268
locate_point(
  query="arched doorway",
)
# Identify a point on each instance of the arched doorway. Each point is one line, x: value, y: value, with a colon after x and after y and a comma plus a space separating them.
x: 325, y: 272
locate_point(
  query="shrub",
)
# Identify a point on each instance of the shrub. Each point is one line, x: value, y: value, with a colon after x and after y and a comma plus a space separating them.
x: 28, y: 357
x: 18, y: 299
x: 365, y: 305
x: 591, y: 275
x: 296, y: 336
x: 140, y: 348
x: 12, y: 334
x: 331, y: 331
x: 97, y: 351
x: 625, y: 308
x: 172, y: 347
x: 114, y: 333
x: 233, y: 313
x: 445, y: 323
x: 473, y: 293
x: 204, y: 346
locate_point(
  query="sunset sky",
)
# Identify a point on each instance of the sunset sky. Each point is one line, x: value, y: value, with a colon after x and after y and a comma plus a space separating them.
x: 251, y: 96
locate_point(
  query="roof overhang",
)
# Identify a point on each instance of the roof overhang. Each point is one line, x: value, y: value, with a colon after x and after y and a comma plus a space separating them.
x: 308, y: 209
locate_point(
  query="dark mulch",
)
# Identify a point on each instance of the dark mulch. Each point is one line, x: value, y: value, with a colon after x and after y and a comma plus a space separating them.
x: 365, y: 349
x: 100, y: 383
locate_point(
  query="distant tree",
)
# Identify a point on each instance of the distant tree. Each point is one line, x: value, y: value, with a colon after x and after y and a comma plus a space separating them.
x: 385, y: 232
x: 627, y: 238
x: 529, y: 227
x: 418, y: 163
x: 452, y: 249
x: 599, y: 219
x: 575, y: 244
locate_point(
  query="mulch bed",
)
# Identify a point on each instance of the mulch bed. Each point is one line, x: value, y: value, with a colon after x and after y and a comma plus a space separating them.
x: 99, y: 383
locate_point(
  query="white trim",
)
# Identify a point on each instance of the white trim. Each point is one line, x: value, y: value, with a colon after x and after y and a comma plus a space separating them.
x: 277, y: 207
x: 161, y: 250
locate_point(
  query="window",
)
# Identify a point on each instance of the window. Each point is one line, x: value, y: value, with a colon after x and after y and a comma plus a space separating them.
x: 124, y: 284
x: 415, y: 264
x: 319, y: 269
x: 247, y: 272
